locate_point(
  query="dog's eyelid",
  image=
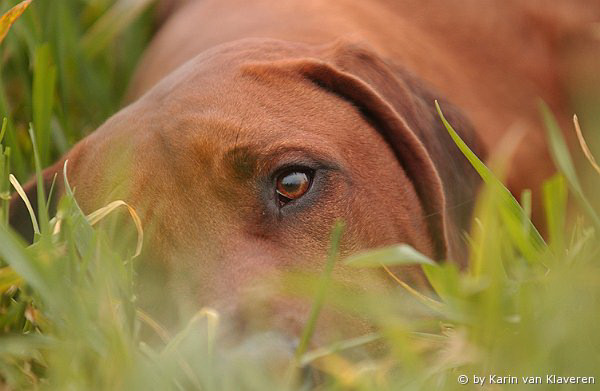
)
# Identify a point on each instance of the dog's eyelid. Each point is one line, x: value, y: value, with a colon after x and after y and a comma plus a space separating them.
x: 249, y: 158
x: 285, y: 155
x: 314, y: 163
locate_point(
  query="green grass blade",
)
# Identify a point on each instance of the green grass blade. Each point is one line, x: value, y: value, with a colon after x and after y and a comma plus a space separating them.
x: 82, y: 230
x: 13, y: 252
x: 8, y: 279
x: 44, y: 80
x: 4, y: 172
x: 532, y: 244
x: 111, y: 24
x: 562, y: 159
x: 309, y: 328
x: 339, y: 346
x: 398, y: 255
x: 555, y: 207
x: 526, y: 205
x: 444, y: 278
x: 3, y: 131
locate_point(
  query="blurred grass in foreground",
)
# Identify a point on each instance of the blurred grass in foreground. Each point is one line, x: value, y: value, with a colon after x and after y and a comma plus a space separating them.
x: 69, y: 317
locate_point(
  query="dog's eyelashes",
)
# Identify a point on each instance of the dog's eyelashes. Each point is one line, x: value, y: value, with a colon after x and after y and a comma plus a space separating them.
x: 293, y: 184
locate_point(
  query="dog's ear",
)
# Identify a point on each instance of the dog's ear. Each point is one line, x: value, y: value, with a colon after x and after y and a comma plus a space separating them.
x: 165, y: 8
x: 402, y: 109
x: 19, y: 217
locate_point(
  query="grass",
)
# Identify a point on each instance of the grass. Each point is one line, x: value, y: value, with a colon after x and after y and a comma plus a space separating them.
x: 69, y: 312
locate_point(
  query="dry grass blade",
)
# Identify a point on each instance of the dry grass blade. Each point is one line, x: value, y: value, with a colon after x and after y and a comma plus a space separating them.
x: 319, y: 353
x: 212, y: 317
x: 428, y: 301
x: 21, y: 193
x: 7, y: 20
x: 101, y: 213
x: 584, y: 146
x: 154, y: 325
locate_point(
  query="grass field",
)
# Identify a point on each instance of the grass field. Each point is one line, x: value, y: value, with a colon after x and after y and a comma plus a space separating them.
x: 69, y: 314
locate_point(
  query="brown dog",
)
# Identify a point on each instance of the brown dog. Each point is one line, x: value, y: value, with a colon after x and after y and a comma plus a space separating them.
x: 256, y: 124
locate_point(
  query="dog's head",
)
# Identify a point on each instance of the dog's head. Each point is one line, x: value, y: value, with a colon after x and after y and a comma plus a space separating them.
x: 241, y: 161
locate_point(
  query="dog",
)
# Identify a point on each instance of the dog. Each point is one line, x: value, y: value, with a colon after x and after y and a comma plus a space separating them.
x: 253, y: 126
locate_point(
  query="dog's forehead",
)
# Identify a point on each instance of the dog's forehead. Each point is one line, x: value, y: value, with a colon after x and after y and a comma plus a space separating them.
x: 214, y: 104
x: 217, y: 65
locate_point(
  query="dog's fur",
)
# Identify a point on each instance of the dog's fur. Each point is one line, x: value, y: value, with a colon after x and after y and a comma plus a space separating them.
x: 230, y: 91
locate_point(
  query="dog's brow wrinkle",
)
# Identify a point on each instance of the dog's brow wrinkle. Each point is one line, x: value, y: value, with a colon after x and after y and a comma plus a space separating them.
x: 242, y: 161
x: 237, y: 137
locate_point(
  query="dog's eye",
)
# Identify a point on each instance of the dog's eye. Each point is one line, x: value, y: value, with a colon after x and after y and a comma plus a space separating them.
x: 292, y: 185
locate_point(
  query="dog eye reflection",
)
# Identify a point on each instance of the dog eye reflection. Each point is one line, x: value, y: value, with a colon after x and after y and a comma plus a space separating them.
x: 292, y: 185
